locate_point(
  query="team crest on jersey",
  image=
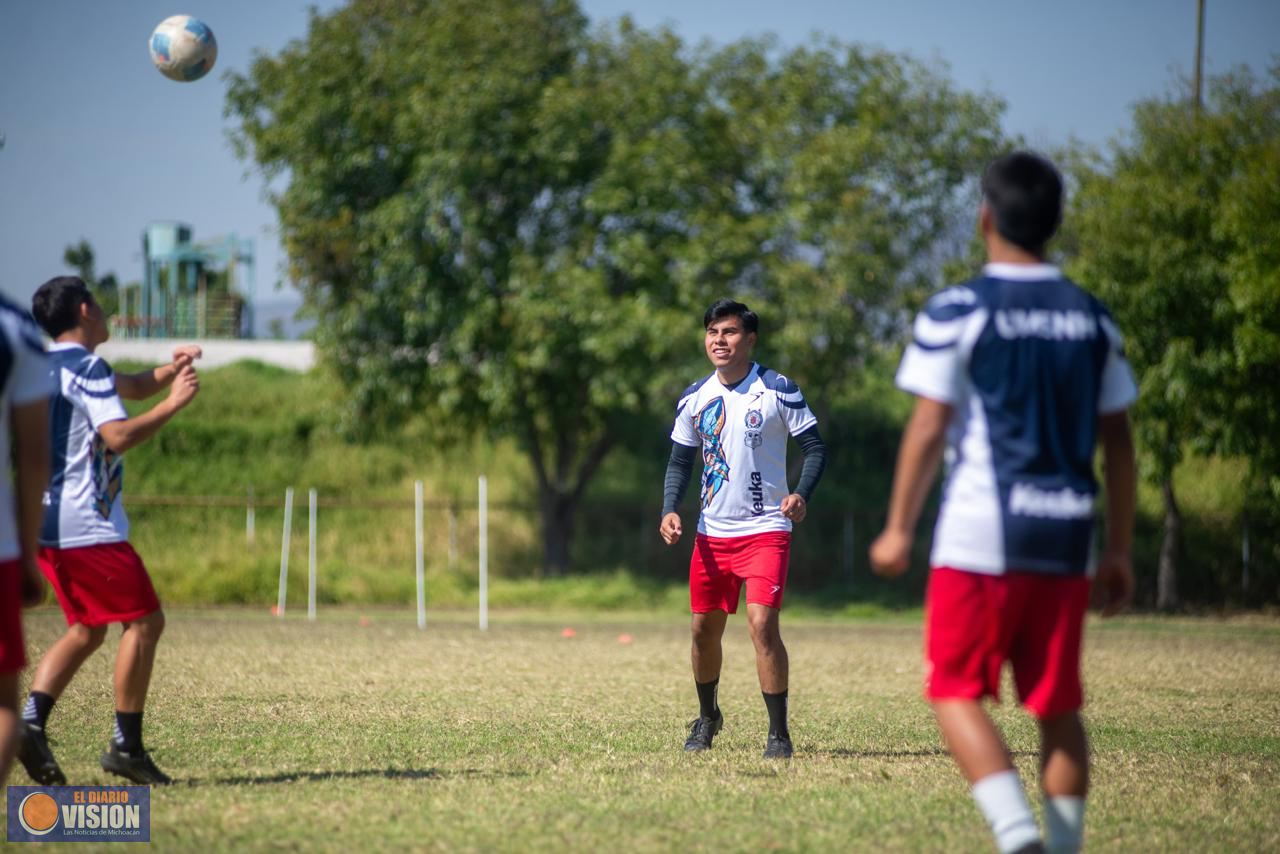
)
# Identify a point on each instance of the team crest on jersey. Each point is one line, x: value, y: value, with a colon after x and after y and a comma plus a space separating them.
x: 715, y: 467
x: 753, y: 438
x: 108, y: 477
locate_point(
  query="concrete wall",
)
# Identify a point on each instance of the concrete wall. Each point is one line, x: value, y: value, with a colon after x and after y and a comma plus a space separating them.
x: 294, y: 355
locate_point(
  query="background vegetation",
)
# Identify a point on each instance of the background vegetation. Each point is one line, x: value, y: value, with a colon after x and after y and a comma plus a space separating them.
x: 262, y: 428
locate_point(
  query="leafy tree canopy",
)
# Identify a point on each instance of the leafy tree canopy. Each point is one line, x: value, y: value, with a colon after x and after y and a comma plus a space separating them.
x: 509, y: 221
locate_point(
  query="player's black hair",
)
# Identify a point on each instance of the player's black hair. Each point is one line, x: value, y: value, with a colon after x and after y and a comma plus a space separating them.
x: 725, y: 307
x: 1024, y: 192
x: 56, y: 304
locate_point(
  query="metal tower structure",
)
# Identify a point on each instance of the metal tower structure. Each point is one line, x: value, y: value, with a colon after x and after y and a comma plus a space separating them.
x: 176, y: 299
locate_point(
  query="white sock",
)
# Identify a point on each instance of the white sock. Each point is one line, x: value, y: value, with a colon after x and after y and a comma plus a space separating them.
x: 1002, y: 801
x: 1064, y: 823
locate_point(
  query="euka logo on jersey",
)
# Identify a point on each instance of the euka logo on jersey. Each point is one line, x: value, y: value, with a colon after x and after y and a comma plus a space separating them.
x: 79, y: 814
x: 757, y: 494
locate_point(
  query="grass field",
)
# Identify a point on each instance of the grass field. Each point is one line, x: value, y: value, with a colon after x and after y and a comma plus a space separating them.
x: 354, y: 734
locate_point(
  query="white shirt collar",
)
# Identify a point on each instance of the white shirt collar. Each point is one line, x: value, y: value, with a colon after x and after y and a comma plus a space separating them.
x: 66, y: 345
x: 1022, y: 272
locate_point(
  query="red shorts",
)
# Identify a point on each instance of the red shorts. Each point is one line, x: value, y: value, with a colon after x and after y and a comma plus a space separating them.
x: 974, y: 623
x: 720, y: 565
x: 98, y: 585
x: 12, y: 651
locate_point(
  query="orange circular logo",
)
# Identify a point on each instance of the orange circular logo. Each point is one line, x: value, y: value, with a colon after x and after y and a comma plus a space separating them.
x: 38, y: 813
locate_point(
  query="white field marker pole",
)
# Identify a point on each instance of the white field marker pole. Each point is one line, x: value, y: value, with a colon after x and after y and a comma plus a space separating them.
x: 453, y: 537
x: 250, y: 518
x: 418, y: 566
x: 284, y: 550
x: 484, y: 553
x: 311, y: 556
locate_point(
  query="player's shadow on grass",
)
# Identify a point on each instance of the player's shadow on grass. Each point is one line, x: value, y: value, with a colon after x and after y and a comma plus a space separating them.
x: 323, y: 776
x: 849, y: 752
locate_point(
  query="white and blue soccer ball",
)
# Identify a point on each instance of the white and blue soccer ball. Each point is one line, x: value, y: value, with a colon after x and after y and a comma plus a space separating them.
x: 183, y: 48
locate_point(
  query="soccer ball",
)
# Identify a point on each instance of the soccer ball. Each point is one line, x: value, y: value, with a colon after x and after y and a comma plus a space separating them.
x: 183, y: 48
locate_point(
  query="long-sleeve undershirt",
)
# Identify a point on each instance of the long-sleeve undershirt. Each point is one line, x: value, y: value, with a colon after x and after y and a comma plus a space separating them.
x: 680, y: 469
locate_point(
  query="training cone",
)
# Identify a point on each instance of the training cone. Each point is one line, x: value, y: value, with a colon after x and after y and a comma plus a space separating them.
x: 624, y: 639
x: 567, y: 632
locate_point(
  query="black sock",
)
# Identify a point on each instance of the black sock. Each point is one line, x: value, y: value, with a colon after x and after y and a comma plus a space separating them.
x: 129, y: 731
x: 777, y: 706
x: 39, y: 705
x: 707, y: 695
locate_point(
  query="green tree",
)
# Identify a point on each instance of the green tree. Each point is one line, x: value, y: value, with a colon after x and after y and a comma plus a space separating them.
x: 1177, y: 231
x: 509, y: 222
x: 106, y: 290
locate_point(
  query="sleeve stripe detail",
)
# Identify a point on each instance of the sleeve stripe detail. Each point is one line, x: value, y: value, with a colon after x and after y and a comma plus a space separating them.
x: 101, y: 395
x: 934, y: 347
x: 931, y: 332
x: 793, y: 404
x: 94, y: 371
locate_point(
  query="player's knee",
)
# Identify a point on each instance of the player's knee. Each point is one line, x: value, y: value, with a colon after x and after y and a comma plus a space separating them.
x: 765, y: 633
x: 88, y: 638
x: 151, y: 626
x: 1064, y: 727
x: 706, y: 632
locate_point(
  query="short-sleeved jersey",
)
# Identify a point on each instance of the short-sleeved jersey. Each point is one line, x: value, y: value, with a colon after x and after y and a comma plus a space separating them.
x: 1028, y: 360
x: 83, y: 506
x: 743, y: 432
x: 24, y: 379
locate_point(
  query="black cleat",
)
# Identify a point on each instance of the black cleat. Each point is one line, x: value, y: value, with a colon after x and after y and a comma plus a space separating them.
x: 701, y: 731
x: 136, y: 767
x: 36, y: 757
x: 778, y: 747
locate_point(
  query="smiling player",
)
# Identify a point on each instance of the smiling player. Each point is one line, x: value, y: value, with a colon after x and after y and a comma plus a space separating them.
x: 740, y: 417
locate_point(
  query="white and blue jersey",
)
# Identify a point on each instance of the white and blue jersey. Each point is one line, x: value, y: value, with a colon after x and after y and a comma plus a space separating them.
x: 1028, y: 360
x: 742, y: 430
x: 24, y: 379
x: 83, y: 506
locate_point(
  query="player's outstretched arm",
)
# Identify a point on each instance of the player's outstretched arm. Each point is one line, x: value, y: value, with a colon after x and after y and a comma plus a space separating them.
x: 1115, y: 568
x: 31, y: 445
x: 144, y: 384
x: 918, y: 457
x: 124, y: 434
x: 679, y: 471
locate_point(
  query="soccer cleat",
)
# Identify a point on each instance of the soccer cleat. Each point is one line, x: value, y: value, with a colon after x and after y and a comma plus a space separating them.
x: 136, y: 767
x: 36, y: 757
x: 701, y: 731
x: 777, y: 747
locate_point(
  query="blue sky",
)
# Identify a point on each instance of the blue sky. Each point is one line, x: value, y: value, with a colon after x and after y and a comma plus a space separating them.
x: 99, y: 144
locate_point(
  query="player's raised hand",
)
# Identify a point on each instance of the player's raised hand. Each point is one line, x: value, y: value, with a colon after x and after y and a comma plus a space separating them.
x: 671, y: 529
x: 185, y: 387
x: 794, y: 508
x: 1114, y: 582
x: 185, y: 355
x: 890, y: 553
